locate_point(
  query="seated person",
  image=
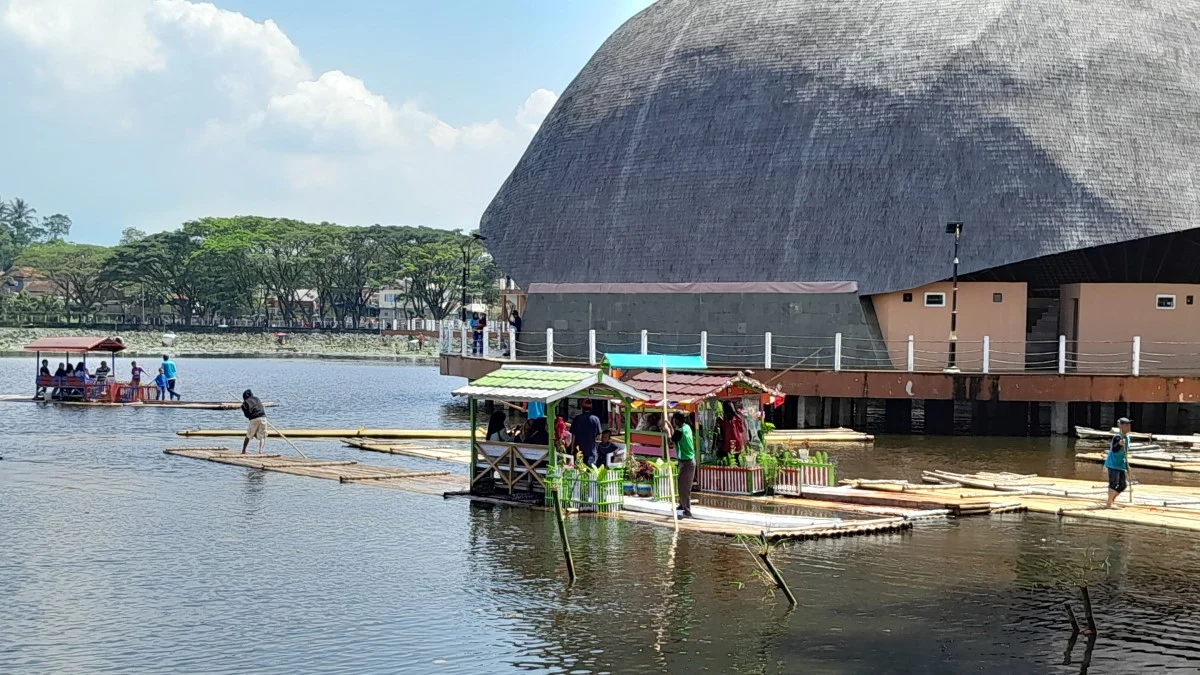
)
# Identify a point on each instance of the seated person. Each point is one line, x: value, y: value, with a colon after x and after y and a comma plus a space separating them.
x: 537, y: 432
x: 496, y: 431
x: 610, y: 453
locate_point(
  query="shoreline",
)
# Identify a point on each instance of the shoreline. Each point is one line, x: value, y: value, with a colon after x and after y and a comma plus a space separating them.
x: 411, y: 359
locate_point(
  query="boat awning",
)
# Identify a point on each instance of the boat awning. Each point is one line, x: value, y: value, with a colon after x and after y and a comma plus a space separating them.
x: 545, y: 384
x: 75, y: 344
x: 688, y: 389
x: 653, y: 362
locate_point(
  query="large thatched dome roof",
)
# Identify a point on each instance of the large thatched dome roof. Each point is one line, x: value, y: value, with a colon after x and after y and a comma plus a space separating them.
x: 740, y: 140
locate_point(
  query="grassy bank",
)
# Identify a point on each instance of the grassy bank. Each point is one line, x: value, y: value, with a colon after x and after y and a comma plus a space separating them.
x: 239, y: 345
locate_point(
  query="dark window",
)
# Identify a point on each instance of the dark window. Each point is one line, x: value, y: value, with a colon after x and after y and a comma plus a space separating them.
x: 908, y: 297
x: 1165, y: 302
x: 997, y: 297
x: 935, y: 299
x: 1190, y: 300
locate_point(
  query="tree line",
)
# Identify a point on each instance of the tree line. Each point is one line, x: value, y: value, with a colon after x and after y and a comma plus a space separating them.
x: 224, y: 269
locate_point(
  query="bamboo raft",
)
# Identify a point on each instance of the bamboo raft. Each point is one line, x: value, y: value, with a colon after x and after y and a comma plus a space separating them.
x: 1164, y: 461
x: 166, y: 405
x: 341, y: 470
x: 442, y: 454
x: 1088, y: 434
x: 959, y: 502
x: 406, y: 434
x: 1171, y: 506
x: 837, y: 435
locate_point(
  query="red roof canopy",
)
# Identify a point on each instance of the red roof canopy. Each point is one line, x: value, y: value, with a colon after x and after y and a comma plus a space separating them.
x: 689, y: 389
x: 74, y: 344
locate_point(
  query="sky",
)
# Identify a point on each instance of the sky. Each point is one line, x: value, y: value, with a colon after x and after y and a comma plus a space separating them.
x: 149, y: 113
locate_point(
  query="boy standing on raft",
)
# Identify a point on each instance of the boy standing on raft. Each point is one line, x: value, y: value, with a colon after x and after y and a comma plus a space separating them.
x: 1117, y: 461
x: 253, y: 409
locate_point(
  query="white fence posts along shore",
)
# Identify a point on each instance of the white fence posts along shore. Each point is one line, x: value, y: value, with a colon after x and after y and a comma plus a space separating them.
x: 837, y: 352
x: 704, y: 346
x: 1062, y: 354
x: 987, y: 361
x: 767, y: 351
x: 512, y: 343
x: 645, y: 343
x: 1137, y: 355
x: 463, y: 346
x: 549, y: 345
x: 592, y: 347
x: 912, y: 355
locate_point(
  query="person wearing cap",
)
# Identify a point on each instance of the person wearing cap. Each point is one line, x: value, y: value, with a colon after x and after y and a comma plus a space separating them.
x: 253, y: 409
x: 1117, y: 461
x: 585, y: 429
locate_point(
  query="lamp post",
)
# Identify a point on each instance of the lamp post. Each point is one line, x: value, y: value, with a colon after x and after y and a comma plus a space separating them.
x: 466, y: 251
x: 952, y: 366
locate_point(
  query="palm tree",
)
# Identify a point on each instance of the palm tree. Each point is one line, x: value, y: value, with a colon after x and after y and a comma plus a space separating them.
x: 22, y: 222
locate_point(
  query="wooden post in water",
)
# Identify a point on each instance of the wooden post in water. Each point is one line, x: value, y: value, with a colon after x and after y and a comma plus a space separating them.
x: 1087, y: 609
x: 764, y: 555
x: 1072, y: 619
x: 562, y: 533
x: 474, y: 407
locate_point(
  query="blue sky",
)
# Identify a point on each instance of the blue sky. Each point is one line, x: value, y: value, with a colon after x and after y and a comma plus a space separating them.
x: 146, y: 113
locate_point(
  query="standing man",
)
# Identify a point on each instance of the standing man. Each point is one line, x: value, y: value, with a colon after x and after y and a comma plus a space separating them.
x: 168, y: 368
x: 1117, y: 461
x: 253, y: 409
x: 44, y: 371
x: 585, y: 429
x: 685, y: 450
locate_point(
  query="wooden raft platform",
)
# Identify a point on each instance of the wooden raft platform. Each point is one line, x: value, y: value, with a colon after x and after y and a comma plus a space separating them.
x: 1171, y: 506
x: 836, y: 435
x: 901, y: 494
x: 341, y: 470
x: 443, y: 454
x: 1164, y: 461
x: 409, y: 434
x: 163, y: 405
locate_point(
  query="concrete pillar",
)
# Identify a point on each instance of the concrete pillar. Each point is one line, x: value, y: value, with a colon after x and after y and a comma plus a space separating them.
x: 1058, y: 419
x: 844, y: 412
x: 808, y: 412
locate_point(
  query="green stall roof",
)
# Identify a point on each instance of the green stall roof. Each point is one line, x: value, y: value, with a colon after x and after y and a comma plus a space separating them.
x: 547, y: 383
x: 654, y: 362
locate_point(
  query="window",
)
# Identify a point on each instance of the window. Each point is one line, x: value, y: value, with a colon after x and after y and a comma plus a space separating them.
x: 1165, y: 302
x: 908, y: 297
x: 935, y: 299
x: 1190, y: 299
x: 997, y: 297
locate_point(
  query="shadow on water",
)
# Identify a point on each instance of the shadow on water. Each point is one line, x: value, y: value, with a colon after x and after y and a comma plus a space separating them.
x: 118, y: 558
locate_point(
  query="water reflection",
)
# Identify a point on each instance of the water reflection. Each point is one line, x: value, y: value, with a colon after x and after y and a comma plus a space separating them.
x: 117, y: 558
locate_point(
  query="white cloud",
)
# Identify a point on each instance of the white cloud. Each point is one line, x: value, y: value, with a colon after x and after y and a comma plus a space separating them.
x: 247, y: 110
x: 535, y: 108
x: 88, y: 44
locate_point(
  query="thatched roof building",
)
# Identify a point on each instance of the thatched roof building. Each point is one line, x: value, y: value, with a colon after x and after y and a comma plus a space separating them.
x: 811, y: 140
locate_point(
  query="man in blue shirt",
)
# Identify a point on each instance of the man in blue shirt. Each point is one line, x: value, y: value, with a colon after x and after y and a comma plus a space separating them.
x: 168, y: 367
x: 1117, y: 461
x: 585, y: 429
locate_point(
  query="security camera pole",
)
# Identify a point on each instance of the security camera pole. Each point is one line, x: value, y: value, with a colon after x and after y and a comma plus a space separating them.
x: 952, y: 367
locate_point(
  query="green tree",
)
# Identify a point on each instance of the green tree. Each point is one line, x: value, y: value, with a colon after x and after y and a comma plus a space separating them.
x: 166, y: 262
x: 130, y: 235
x: 56, y: 227
x: 431, y: 262
x: 345, y: 268
x: 80, y: 272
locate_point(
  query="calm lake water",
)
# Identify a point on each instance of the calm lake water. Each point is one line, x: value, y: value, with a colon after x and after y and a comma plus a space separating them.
x: 117, y: 558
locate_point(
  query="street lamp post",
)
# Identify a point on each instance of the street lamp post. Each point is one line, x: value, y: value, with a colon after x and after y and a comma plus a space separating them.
x: 952, y: 366
x: 466, y: 270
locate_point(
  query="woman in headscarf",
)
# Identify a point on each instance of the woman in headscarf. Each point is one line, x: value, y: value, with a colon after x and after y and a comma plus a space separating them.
x: 496, y: 431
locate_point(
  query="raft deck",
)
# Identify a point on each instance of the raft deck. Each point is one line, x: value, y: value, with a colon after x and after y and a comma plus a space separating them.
x: 1165, y: 461
x: 169, y: 405
x: 442, y: 454
x: 409, y: 434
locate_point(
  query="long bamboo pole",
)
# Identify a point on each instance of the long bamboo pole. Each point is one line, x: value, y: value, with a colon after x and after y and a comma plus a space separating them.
x: 562, y: 534
x: 666, y: 442
x: 285, y: 438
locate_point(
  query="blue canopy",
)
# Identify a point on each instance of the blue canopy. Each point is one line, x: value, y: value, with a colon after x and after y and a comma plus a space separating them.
x: 653, y: 362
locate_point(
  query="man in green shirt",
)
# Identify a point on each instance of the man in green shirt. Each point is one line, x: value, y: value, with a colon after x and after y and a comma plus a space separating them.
x: 685, y: 450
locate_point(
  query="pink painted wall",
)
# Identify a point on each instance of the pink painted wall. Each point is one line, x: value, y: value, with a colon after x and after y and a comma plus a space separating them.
x: 1110, y: 315
x: 978, y: 315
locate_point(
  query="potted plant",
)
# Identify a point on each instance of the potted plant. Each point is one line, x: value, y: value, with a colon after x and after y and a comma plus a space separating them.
x: 734, y: 475
x: 639, y: 477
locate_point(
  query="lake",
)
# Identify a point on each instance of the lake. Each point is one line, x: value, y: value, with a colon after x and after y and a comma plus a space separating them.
x: 117, y: 558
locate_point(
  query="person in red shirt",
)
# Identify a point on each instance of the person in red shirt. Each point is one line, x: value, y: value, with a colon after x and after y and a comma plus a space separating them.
x: 733, y: 431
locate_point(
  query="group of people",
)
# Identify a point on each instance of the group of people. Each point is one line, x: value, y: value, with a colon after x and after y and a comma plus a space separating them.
x: 585, y: 437
x: 89, y: 385
x: 478, y: 325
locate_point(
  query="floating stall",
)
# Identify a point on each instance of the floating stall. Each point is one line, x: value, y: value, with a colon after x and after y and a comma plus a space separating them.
x: 520, y: 469
x: 91, y: 391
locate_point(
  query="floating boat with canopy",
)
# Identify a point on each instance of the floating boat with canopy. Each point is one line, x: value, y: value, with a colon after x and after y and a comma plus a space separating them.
x: 91, y: 391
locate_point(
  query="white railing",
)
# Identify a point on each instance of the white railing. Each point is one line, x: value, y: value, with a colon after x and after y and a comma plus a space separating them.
x: 836, y: 352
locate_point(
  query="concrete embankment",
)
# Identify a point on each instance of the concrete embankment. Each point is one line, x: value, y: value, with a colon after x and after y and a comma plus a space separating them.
x: 225, y: 344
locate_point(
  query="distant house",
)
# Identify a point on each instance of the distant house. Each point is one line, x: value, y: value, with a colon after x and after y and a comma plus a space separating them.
x: 29, y: 281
